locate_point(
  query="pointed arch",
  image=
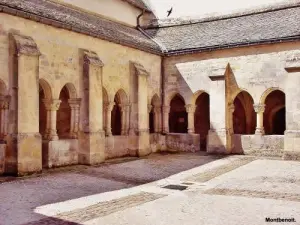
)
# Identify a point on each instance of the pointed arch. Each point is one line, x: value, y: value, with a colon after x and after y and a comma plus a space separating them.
x: 155, y: 100
x: 274, y: 120
x: 202, y: 117
x: 244, y: 116
x: 121, y: 97
x: 3, y: 88
x: 71, y: 90
x: 267, y: 92
x: 178, y: 116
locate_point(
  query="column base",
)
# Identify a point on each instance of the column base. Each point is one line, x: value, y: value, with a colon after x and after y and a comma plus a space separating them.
x: 217, y: 141
x: 24, y: 154
x: 92, y: 148
x: 259, y: 131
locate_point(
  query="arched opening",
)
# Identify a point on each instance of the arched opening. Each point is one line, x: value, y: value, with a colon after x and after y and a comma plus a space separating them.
x: 63, y: 123
x: 116, y: 116
x: 274, y: 115
x: 178, y: 116
x: 202, y: 119
x: 3, y: 92
x: 42, y: 112
x: 244, y: 116
x: 153, y: 123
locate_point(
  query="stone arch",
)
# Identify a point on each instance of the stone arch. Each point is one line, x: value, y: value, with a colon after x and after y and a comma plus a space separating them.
x: 267, y: 92
x: 178, y: 116
x: 172, y: 95
x: 244, y: 116
x: 153, y: 114
x: 71, y: 89
x: 63, y: 122
x: 116, y: 113
x: 202, y: 117
x: 274, y: 114
x: 3, y: 88
x: 44, y: 84
x: 196, y: 95
x: 45, y: 96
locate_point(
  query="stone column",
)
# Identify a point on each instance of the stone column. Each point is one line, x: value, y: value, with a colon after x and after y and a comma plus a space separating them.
x: 157, y: 116
x: 92, y: 138
x: 259, y: 109
x: 25, y: 141
x: 52, y: 107
x: 190, y: 109
x: 166, y: 112
x: 75, y: 115
x: 149, y: 111
x: 127, y: 118
x: 109, y: 107
x: 4, y: 117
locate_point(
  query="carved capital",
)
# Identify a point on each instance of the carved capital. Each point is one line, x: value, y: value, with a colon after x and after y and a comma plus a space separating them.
x: 109, y: 106
x: 74, y: 102
x: 190, y: 108
x: 52, y: 105
x: 259, y: 108
x: 149, y: 108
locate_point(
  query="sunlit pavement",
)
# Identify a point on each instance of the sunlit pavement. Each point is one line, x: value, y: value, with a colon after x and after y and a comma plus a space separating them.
x: 232, y: 190
x: 20, y: 198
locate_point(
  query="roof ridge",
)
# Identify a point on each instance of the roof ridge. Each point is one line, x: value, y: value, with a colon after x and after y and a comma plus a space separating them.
x: 212, y: 17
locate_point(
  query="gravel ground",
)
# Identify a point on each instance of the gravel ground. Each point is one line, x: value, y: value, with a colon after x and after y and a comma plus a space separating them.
x: 21, y: 196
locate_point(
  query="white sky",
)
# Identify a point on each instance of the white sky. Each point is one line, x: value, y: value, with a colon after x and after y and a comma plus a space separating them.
x: 200, y: 7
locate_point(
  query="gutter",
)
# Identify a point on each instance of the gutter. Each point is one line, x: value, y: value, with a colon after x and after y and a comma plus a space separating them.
x: 161, y: 46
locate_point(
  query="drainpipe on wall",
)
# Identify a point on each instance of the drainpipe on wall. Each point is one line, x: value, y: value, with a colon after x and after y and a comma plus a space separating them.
x: 162, y: 72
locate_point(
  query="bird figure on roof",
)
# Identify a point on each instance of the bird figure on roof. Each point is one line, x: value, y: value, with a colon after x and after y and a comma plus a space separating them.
x: 169, y: 12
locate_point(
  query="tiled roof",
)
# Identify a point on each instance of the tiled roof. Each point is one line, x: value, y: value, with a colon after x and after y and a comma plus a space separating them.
x: 139, y: 4
x: 275, y: 25
x: 63, y: 17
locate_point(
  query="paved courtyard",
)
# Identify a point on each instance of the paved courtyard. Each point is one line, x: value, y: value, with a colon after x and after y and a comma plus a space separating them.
x: 232, y: 190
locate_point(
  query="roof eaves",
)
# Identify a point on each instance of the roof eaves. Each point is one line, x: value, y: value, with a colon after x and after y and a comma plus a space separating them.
x: 66, y: 26
x: 232, y: 45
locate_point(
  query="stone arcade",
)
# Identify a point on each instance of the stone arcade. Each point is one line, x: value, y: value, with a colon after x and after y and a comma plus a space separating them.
x: 86, y: 81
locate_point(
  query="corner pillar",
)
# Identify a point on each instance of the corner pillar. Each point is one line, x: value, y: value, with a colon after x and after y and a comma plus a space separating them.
x: 24, y: 141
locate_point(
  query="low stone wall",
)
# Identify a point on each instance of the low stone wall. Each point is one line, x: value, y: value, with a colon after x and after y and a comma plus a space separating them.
x: 183, y: 142
x: 265, y: 145
x: 2, y: 157
x: 60, y: 153
x: 157, y: 142
x: 118, y: 146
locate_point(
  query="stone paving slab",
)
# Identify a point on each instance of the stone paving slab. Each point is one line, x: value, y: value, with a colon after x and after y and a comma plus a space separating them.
x: 218, y: 171
x: 254, y: 194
